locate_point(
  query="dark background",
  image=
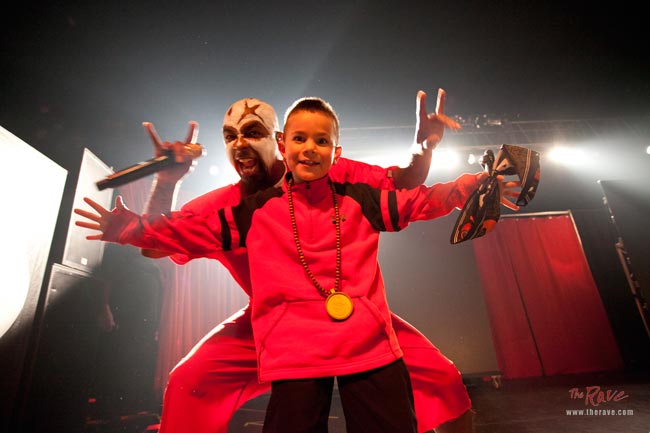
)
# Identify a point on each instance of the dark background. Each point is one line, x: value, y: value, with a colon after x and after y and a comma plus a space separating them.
x: 80, y: 74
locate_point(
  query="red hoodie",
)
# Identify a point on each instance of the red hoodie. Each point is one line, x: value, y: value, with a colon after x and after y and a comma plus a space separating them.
x: 294, y: 336
x: 345, y: 170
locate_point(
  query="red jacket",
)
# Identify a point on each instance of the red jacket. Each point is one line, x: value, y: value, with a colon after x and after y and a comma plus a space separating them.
x: 345, y: 170
x: 294, y: 336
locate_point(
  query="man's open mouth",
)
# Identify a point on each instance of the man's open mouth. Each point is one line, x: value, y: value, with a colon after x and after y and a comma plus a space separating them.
x: 247, y: 162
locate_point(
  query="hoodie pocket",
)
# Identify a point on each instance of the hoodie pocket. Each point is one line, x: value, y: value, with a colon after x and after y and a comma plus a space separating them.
x: 302, y: 335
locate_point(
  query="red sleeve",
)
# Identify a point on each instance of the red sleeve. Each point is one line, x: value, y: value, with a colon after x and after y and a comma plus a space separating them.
x: 216, y: 199
x: 228, y: 195
x: 401, y: 207
x: 190, y: 235
x: 348, y: 170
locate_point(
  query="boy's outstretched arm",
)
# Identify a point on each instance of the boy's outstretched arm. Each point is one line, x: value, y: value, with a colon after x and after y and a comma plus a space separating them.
x: 429, y: 130
x: 508, y: 189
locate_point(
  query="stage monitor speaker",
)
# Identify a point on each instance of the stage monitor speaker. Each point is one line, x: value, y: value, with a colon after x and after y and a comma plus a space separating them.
x: 33, y: 186
x: 79, y: 253
x: 66, y: 353
x: 628, y: 202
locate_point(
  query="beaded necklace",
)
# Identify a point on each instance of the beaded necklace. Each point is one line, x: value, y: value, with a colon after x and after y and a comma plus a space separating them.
x: 338, y: 305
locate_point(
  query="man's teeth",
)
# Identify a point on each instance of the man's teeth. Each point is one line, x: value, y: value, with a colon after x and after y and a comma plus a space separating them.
x: 247, y: 162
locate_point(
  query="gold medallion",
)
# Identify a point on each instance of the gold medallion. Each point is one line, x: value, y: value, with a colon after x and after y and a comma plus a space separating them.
x: 338, y: 305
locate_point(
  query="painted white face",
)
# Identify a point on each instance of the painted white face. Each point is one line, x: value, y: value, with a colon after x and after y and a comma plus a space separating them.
x: 249, y: 128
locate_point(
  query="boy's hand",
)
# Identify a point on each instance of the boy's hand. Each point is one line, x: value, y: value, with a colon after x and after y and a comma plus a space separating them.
x: 506, y: 189
x: 430, y: 128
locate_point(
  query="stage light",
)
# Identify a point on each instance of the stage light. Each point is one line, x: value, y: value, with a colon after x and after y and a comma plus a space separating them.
x: 228, y: 175
x: 571, y: 156
x: 472, y: 159
x: 385, y: 158
x: 647, y: 150
x: 445, y: 159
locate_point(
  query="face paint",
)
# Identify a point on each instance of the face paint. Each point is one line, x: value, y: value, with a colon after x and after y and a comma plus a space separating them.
x: 244, y: 112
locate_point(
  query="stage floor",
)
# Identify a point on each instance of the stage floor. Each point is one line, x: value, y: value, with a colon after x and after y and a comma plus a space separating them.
x: 567, y: 404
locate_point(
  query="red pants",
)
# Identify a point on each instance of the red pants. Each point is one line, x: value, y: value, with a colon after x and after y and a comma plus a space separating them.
x: 219, y: 375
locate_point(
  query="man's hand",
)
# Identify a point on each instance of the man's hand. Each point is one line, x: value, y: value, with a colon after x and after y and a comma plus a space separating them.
x: 166, y: 183
x: 430, y: 128
x: 100, y: 220
x: 184, y: 162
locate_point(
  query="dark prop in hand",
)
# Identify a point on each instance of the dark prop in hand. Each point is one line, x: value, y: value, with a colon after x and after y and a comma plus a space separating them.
x: 145, y: 168
x: 482, y: 210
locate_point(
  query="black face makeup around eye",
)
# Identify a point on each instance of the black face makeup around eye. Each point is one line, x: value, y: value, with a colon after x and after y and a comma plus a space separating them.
x: 254, y: 134
x: 254, y: 130
x: 229, y: 135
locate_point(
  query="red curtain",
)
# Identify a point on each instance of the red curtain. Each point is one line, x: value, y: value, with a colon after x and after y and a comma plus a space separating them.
x: 195, y: 297
x: 545, y: 311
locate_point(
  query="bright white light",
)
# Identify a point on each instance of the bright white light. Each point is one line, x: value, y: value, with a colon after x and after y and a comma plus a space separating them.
x: 14, y: 264
x: 571, y: 156
x: 647, y: 150
x: 471, y: 159
x: 225, y: 174
x: 228, y: 175
x: 445, y: 159
x: 386, y: 158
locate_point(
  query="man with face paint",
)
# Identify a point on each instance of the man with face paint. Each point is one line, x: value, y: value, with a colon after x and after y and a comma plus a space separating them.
x: 220, y: 373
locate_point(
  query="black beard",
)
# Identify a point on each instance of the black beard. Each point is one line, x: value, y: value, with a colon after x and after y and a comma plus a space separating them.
x: 257, y: 182
x: 263, y: 178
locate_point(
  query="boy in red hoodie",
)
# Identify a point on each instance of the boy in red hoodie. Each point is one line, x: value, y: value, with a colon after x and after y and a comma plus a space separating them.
x: 318, y: 308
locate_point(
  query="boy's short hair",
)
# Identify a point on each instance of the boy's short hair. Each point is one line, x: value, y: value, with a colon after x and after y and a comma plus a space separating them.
x: 313, y: 104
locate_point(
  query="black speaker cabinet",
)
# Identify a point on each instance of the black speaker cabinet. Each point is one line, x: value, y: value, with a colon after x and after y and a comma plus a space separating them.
x: 58, y: 394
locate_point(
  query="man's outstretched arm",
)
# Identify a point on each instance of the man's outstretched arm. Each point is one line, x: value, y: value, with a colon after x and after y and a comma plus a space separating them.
x: 166, y: 183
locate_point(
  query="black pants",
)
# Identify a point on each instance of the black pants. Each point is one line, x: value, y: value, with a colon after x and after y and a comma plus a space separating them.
x: 374, y: 401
